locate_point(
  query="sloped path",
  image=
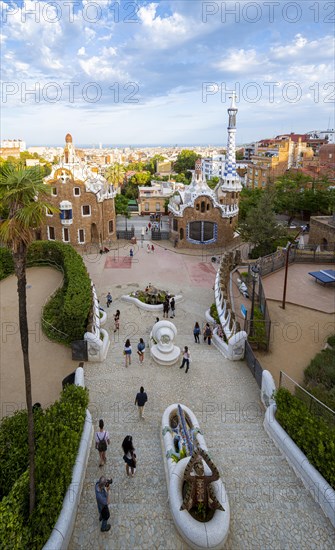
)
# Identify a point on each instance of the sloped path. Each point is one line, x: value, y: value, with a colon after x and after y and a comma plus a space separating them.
x: 270, y: 508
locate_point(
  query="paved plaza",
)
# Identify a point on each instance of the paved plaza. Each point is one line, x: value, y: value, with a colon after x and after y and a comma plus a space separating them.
x: 270, y: 508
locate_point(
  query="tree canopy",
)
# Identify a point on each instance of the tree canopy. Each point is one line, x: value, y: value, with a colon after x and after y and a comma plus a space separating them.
x: 115, y: 174
x: 260, y: 227
x: 140, y: 178
x: 185, y: 161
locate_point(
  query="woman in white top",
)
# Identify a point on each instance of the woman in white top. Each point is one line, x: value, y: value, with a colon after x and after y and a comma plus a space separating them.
x: 186, y: 359
x: 101, y: 442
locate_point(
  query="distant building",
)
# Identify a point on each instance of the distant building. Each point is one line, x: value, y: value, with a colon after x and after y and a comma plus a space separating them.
x: 85, y: 200
x: 322, y: 232
x: 152, y: 200
x: 13, y: 144
x: 213, y: 166
x: 328, y: 135
x: 274, y: 156
x: 202, y: 216
x: 163, y: 167
x: 323, y: 164
x: 6, y: 152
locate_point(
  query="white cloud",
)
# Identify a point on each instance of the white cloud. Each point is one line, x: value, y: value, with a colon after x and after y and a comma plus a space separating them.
x: 163, y: 32
x: 81, y: 51
x: 243, y: 61
x: 99, y: 68
x: 301, y: 48
x: 49, y: 59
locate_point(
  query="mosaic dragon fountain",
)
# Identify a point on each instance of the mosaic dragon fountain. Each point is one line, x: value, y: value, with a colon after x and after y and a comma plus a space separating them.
x: 196, y: 492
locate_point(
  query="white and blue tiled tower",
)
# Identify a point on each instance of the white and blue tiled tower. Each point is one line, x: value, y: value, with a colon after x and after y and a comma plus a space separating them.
x: 231, y: 181
x: 230, y: 167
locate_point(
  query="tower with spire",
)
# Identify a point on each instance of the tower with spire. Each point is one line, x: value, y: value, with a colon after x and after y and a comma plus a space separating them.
x: 231, y: 180
x: 203, y: 216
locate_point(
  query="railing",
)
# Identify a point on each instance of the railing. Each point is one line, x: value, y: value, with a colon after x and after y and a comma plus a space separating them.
x: 126, y: 235
x: 313, y: 404
x: 309, y: 254
x: 253, y: 364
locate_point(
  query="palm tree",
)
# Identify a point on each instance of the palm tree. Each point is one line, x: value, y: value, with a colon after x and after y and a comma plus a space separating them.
x: 115, y: 174
x: 22, y: 195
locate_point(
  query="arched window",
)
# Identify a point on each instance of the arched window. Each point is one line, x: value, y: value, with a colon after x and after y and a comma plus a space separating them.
x: 230, y: 221
x: 202, y: 206
x: 181, y: 233
x: 207, y: 206
x: 197, y: 206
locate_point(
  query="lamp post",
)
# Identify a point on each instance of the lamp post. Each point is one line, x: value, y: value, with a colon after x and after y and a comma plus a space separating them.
x: 288, y: 248
x: 254, y: 272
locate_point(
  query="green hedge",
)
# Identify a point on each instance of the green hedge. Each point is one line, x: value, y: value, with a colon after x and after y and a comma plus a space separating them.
x: 69, y: 309
x: 259, y: 336
x: 58, y: 432
x: 320, y: 377
x: 6, y: 263
x: 310, y: 433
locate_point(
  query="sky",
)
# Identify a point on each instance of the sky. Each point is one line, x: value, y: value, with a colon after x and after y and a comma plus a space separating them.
x: 137, y: 72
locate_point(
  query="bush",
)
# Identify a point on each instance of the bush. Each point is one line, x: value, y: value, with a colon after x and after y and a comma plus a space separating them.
x: 310, y: 433
x: 259, y: 336
x: 321, y: 369
x: 320, y: 376
x: 6, y: 263
x: 58, y: 432
x: 13, y: 450
x: 214, y: 313
x: 331, y: 341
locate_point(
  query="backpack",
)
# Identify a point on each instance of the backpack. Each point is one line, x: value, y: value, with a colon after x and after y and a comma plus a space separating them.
x: 208, y: 332
x: 102, y: 445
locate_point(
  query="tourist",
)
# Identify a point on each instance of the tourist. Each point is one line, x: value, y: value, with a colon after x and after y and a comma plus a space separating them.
x: 148, y: 248
x: 109, y: 299
x: 166, y: 307
x: 140, y: 400
x: 131, y: 253
x: 152, y: 248
x: 149, y: 225
x: 140, y: 350
x: 207, y: 334
x: 102, y: 495
x: 101, y: 442
x: 127, y: 352
x: 196, y: 333
x: 186, y: 359
x: 117, y: 320
x: 129, y: 455
x: 173, y: 307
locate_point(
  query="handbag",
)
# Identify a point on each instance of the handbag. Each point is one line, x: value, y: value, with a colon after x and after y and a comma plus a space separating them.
x: 105, y: 512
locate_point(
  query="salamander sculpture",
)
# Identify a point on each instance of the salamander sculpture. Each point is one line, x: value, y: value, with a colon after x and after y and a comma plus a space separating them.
x: 198, y: 500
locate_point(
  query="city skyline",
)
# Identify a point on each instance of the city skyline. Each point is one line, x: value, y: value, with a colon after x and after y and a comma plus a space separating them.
x: 149, y: 74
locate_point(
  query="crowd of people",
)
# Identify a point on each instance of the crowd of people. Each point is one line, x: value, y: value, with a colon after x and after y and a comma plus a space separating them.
x: 102, y: 437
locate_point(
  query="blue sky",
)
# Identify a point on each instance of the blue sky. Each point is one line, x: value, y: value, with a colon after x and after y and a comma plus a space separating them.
x: 135, y: 72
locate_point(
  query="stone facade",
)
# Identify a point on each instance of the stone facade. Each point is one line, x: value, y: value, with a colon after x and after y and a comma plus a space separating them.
x: 322, y: 231
x: 225, y: 227
x: 86, y: 203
